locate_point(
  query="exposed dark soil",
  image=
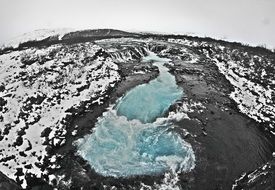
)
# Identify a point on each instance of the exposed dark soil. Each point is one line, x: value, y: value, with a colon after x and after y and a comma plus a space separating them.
x: 77, y: 169
x: 227, y: 143
x: 7, y: 184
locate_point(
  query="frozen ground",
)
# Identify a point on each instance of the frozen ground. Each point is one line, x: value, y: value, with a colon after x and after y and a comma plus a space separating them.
x: 251, y: 75
x: 44, y: 89
x: 38, y: 87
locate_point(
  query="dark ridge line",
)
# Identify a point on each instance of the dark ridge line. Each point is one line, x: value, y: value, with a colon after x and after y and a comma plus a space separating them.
x: 99, y: 34
x: 45, y: 43
x: 212, y: 40
x: 71, y: 38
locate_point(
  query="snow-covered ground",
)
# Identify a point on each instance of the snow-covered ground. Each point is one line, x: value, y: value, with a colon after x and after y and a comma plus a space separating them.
x: 251, y: 75
x: 38, y: 89
x: 36, y: 36
x: 38, y: 86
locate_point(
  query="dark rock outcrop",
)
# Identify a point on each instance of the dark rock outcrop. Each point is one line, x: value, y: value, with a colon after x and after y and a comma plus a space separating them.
x: 7, y: 184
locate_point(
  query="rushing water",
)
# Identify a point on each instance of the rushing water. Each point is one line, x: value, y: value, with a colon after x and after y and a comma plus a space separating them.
x: 131, y: 139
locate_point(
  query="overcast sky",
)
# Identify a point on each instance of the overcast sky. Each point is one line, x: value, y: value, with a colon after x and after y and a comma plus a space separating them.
x: 249, y: 21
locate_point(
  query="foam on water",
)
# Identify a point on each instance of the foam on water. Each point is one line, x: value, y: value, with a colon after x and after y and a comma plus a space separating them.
x: 129, y: 139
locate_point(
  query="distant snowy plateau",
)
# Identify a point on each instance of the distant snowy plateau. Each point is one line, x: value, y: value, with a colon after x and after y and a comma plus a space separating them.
x: 53, y: 89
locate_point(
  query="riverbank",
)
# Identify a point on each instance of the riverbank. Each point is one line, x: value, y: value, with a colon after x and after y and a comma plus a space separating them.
x: 217, y: 132
x: 60, y: 91
x: 227, y: 143
x: 73, y: 166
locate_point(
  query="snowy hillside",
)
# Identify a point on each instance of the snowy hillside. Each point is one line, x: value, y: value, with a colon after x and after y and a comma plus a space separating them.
x: 53, y: 89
